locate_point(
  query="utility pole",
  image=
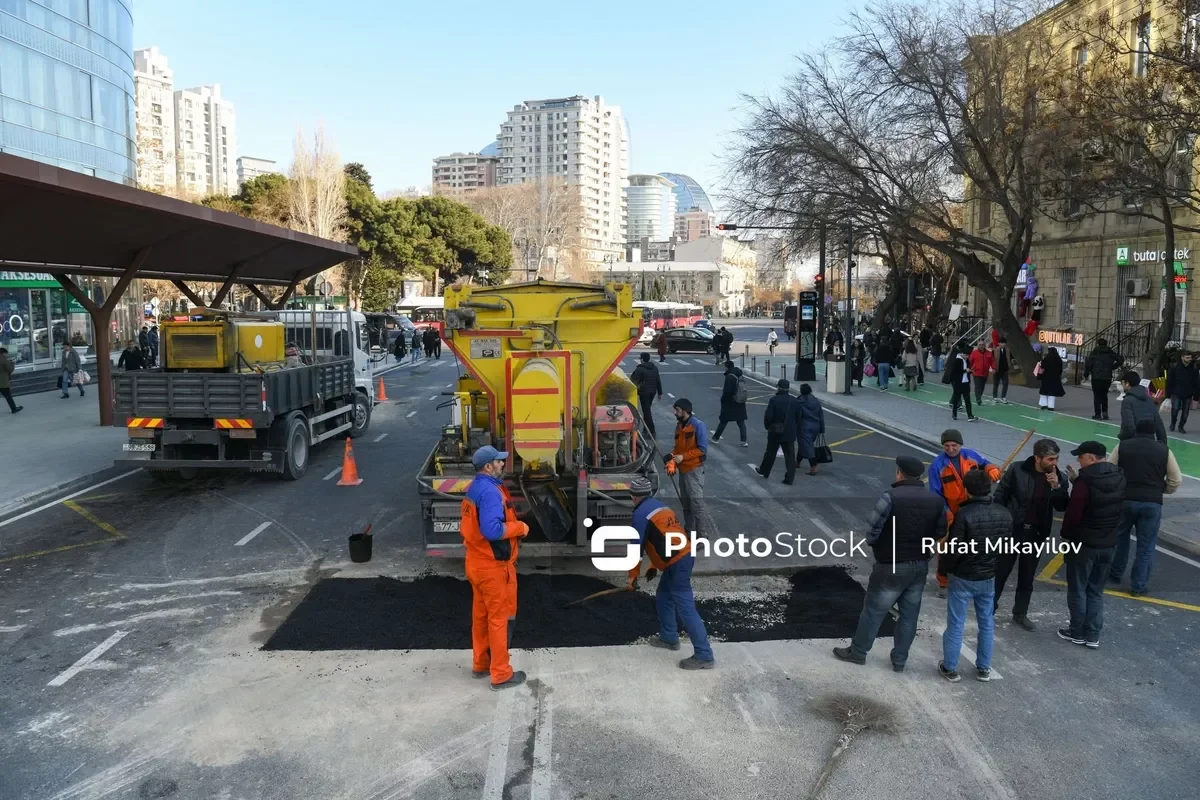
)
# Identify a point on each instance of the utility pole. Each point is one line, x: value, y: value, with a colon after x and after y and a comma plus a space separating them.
x: 820, y: 291
x: 848, y: 321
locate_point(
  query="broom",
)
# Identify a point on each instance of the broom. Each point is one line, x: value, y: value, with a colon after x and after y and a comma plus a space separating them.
x: 856, y: 715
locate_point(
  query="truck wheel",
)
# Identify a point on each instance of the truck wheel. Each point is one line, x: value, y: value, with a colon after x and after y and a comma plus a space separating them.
x: 360, y: 417
x: 295, y: 454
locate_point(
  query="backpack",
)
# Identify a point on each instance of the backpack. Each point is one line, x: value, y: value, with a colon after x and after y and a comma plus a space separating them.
x: 739, y: 393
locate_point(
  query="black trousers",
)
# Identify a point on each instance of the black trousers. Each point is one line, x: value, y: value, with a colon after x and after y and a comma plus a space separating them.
x: 1100, y: 397
x: 962, y: 395
x: 7, y: 395
x: 1180, y: 407
x: 1026, y: 571
x: 980, y: 382
x: 998, y: 380
x: 645, y: 401
x: 774, y: 443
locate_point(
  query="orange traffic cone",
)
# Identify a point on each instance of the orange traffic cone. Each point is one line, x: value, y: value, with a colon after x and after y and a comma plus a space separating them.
x: 349, y: 468
x: 381, y: 395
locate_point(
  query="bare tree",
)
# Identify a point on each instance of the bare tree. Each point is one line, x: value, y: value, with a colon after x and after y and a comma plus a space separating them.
x: 544, y: 219
x: 317, y: 193
x: 898, y: 126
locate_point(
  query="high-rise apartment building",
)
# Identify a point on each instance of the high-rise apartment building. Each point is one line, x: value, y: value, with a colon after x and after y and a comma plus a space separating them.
x: 650, y: 208
x: 692, y: 225
x: 249, y: 167
x: 460, y: 174
x: 584, y: 141
x: 205, y: 142
x: 154, y: 88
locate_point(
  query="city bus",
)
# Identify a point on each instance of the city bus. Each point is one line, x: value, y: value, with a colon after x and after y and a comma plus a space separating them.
x: 661, y: 315
x: 424, y: 312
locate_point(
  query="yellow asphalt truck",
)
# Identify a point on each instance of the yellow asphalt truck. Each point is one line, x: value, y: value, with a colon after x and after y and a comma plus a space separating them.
x: 541, y: 381
x: 229, y: 395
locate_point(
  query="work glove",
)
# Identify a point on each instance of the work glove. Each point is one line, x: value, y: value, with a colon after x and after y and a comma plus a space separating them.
x: 651, y: 574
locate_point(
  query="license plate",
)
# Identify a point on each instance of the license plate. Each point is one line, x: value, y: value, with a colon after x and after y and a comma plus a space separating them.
x: 445, y: 527
x: 138, y: 447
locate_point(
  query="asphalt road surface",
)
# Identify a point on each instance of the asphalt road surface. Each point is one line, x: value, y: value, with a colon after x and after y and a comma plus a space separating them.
x: 132, y: 619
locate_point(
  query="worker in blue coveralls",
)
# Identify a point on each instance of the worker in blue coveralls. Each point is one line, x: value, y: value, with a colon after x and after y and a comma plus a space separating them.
x: 654, y: 520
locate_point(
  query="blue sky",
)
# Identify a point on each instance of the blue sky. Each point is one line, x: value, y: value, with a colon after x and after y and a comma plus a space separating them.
x: 397, y: 83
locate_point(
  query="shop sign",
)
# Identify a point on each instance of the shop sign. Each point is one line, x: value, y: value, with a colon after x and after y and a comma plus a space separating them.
x: 1060, y: 337
x: 28, y: 280
x: 1127, y: 256
x: 1181, y: 278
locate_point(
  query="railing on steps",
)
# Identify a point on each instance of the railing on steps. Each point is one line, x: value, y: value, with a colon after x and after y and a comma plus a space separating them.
x: 1129, y: 338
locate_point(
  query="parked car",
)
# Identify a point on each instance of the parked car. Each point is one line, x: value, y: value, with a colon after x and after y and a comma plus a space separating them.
x: 705, y: 324
x: 689, y: 340
x: 776, y: 315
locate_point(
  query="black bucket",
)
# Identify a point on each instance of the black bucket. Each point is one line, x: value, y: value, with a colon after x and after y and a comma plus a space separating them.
x: 360, y: 548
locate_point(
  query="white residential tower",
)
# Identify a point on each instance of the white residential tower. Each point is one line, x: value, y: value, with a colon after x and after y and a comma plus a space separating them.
x: 206, y: 142
x: 155, y: 91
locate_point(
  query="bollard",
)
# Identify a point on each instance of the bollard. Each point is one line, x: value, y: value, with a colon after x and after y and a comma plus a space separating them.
x: 754, y: 363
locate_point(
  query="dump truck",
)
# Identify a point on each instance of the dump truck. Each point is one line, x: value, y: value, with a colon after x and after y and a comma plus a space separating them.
x: 542, y: 382
x: 232, y: 394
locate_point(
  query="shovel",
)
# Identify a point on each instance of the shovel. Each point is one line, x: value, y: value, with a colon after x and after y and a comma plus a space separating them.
x: 615, y: 590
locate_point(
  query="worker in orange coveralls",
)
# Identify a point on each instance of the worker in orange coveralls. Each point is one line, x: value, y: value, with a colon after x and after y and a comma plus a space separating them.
x: 491, y: 533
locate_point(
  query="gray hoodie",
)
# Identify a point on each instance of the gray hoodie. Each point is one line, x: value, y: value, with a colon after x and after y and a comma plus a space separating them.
x: 70, y: 361
x: 1138, y: 406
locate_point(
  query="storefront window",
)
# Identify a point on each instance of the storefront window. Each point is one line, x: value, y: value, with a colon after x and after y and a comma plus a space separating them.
x: 15, y: 325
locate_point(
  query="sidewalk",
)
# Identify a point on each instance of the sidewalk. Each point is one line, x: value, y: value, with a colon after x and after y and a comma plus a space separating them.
x: 924, y: 414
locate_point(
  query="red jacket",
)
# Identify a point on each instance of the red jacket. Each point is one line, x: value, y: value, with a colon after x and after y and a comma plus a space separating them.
x: 981, y: 363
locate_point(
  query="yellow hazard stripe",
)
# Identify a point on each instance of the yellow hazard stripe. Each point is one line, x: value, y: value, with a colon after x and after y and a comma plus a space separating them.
x: 144, y: 422
x: 226, y: 424
x: 452, y: 485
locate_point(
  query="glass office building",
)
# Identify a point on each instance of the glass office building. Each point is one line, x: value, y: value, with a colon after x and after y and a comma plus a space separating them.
x: 650, y: 208
x: 66, y: 85
x: 66, y: 99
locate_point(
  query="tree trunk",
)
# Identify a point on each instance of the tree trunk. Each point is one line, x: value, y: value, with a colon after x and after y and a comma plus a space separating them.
x: 889, y: 299
x: 1005, y: 320
x: 1166, y: 329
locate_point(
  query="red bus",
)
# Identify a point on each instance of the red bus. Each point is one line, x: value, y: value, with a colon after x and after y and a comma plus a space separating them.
x: 424, y: 312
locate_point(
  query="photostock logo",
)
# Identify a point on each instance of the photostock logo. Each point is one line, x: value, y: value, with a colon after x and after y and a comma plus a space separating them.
x: 614, y: 533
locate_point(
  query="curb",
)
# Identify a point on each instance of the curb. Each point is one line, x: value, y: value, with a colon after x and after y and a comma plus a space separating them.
x: 22, y: 504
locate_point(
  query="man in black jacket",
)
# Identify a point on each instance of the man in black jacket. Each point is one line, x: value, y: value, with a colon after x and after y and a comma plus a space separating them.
x: 1183, y: 386
x: 781, y: 433
x: 649, y: 385
x: 1150, y: 471
x: 1137, y: 406
x: 1003, y: 364
x: 980, y: 526
x: 907, y: 521
x: 1031, y: 491
x: 1090, y: 525
x: 1101, y: 367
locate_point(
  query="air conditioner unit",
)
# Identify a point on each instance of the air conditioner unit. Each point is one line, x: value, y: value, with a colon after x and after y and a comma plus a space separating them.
x: 1138, y: 287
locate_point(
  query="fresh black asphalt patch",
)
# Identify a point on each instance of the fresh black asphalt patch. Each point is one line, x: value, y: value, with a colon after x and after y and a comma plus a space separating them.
x: 434, y: 613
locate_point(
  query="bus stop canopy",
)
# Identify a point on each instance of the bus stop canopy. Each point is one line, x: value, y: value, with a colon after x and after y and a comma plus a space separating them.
x: 64, y: 223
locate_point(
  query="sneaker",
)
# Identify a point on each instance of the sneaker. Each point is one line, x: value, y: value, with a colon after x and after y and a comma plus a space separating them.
x: 1065, y: 633
x: 941, y: 593
x: 1095, y: 645
x: 745, y: 444
x: 983, y: 675
x: 972, y: 419
x: 658, y: 641
x: 1097, y: 417
x: 1025, y: 622
x: 691, y: 662
x: 1181, y: 430
x: 1004, y: 400
x: 1105, y: 416
x: 1172, y: 428
x: 516, y: 680
x: 848, y: 654
x: 759, y: 473
x: 948, y: 674
x: 18, y: 408
x: 715, y: 439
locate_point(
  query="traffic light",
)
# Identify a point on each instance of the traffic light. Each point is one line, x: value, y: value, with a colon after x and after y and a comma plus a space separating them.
x: 726, y: 226
x: 819, y: 281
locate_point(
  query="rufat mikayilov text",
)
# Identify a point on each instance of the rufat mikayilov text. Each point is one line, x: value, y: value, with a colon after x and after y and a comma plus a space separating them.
x: 1007, y: 547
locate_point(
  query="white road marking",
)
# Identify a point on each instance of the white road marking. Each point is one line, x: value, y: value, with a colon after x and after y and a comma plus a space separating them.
x: 969, y: 653
x: 448, y: 385
x: 82, y: 663
x: 497, y: 764
x: 1104, y: 436
x: 380, y: 437
x: 409, y: 414
x: 71, y: 496
x: 825, y: 529
x: 670, y: 395
x: 435, y: 397
x: 10, y: 628
x: 704, y: 363
x: 161, y: 614
x: 542, y: 779
x: 737, y: 698
x: 245, y: 539
x: 157, y: 601
x: 331, y: 475
x: 1035, y: 419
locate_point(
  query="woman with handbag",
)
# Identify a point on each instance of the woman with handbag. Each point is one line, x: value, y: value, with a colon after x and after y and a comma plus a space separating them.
x: 912, y: 366
x: 1049, y: 370
x: 810, y: 424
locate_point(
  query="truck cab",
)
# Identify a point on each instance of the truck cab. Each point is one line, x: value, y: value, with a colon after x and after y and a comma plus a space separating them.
x: 339, y: 334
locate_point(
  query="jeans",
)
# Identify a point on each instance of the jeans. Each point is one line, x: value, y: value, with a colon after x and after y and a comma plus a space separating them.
x: 1026, y: 572
x: 883, y: 371
x: 7, y: 395
x: 883, y: 591
x: 1180, y: 407
x: 1100, y: 397
x: 1087, y: 571
x: 1144, y: 518
x: 65, y: 383
x: 959, y: 595
x: 961, y: 396
x: 774, y: 443
x: 675, y: 596
x: 695, y: 511
x: 721, y: 429
x: 1000, y: 379
x: 645, y: 401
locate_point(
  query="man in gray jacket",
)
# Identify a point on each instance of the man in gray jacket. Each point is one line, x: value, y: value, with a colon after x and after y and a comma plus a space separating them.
x: 71, y: 366
x: 6, y: 371
x: 1138, y: 406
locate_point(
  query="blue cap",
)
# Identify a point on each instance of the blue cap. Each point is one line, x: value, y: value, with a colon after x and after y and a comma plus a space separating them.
x: 487, y: 454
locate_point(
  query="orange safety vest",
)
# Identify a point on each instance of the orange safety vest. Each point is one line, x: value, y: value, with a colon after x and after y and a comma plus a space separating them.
x: 480, y: 549
x: 953, y: 490
x: 687, y: 444
x: 659, y: 521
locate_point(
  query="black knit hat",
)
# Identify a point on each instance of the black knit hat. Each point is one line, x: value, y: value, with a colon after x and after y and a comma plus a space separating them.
x: 951, y: 435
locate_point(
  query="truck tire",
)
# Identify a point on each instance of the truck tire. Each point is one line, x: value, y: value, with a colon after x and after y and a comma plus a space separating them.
x: 297, y: 449
x: 360, y: 417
